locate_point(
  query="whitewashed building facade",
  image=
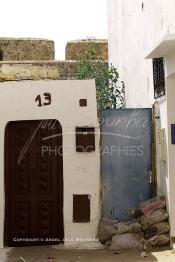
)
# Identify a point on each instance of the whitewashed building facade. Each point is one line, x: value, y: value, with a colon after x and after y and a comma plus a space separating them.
x: 139, y: 30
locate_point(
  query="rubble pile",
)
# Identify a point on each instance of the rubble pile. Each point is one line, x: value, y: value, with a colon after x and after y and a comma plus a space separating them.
x: 148, y: 228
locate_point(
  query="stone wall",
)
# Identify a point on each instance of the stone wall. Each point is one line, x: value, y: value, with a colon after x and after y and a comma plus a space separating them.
x: 36, y: 70
x: 15, y: 49
x: 75, y: 50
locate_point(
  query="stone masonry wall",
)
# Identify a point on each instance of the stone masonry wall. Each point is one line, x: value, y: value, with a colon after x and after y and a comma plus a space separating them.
x: 75, y: 50
x: 37, y: 70
x: 41, y: 50
x: 15, y: 49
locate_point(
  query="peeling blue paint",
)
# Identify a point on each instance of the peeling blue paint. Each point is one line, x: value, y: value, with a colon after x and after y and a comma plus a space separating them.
x: 126, y: 160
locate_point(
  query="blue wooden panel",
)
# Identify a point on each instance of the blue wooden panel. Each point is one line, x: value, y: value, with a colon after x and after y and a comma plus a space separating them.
x: 126, y: 160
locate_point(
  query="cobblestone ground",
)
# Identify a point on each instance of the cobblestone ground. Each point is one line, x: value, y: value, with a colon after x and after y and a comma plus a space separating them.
x: 51, y: 254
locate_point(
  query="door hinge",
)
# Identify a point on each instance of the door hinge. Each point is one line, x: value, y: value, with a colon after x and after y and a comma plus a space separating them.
x: 150, y: 177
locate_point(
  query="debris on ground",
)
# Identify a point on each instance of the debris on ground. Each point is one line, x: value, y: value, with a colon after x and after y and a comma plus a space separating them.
x: 144, y: 254
x: 50, y: 258
x: 147, y: 207
x: 157, y: 229
x: 150, y: 227
x: 22, y: 259
x: 153, y: 218
x: 128, y: 227
x: 159, y: 240
x: 107, y: 229
x: 127, y: 241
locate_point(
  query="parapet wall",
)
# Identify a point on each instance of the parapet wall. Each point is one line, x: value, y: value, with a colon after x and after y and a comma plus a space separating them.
x: 37, y: 70
x: 15, y: 49
x: 75, y: 50
x: 33, y: 59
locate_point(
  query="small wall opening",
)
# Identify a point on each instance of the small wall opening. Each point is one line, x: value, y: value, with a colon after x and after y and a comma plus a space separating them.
x: 83, y: 102
x: 81, y: 208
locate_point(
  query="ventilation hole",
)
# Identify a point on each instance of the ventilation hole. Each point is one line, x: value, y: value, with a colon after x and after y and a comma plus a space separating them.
x: 83, y: 102
x: 142, y: 6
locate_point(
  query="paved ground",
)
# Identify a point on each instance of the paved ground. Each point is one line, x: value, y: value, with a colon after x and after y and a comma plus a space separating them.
x: 42, y: 254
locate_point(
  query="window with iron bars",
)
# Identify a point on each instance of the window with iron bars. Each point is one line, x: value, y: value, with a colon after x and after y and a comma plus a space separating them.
x: 159, y: 77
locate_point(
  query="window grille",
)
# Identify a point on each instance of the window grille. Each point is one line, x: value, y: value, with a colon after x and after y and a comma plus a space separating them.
x: 159, y: 77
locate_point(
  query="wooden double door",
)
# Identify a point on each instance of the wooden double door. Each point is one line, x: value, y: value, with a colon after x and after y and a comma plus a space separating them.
x: 33, y: 183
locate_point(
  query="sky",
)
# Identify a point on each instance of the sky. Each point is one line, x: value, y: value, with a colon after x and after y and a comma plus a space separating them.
x: 59, y: 20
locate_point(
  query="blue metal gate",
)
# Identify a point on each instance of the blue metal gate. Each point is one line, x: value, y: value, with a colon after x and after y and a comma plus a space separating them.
x: 126, y: 160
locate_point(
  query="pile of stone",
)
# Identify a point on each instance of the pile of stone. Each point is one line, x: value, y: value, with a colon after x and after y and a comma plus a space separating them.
x: 148, y: 228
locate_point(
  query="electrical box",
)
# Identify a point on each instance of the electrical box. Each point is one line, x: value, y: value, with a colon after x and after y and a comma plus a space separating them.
x: 81, y: 208
x: 85, y: 139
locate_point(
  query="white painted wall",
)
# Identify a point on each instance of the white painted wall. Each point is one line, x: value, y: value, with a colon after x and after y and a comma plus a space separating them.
x: 81, y: 171
x: 170, y: 178
x: 133, y: 32
x: 135, y: 28
x: 166, y: 178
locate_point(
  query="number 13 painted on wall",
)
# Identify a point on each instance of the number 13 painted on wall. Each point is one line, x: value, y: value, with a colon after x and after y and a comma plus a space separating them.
x: 45, y: 101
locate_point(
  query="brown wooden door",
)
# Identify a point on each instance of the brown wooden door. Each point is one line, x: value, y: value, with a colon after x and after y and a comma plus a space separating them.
x: 33, y: 183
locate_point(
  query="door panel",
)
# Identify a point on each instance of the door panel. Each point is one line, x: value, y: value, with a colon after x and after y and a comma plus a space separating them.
x: 33, y: 183
x: 126, y: 160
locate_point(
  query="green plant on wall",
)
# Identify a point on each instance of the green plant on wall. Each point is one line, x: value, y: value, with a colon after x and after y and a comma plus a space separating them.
x: 109, y: 94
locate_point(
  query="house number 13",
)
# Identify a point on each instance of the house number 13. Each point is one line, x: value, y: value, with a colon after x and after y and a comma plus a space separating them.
x: 45, y: 100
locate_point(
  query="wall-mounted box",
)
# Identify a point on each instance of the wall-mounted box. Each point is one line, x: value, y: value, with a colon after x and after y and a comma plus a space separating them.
x: 85, y: 139
x: 81, y: 208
